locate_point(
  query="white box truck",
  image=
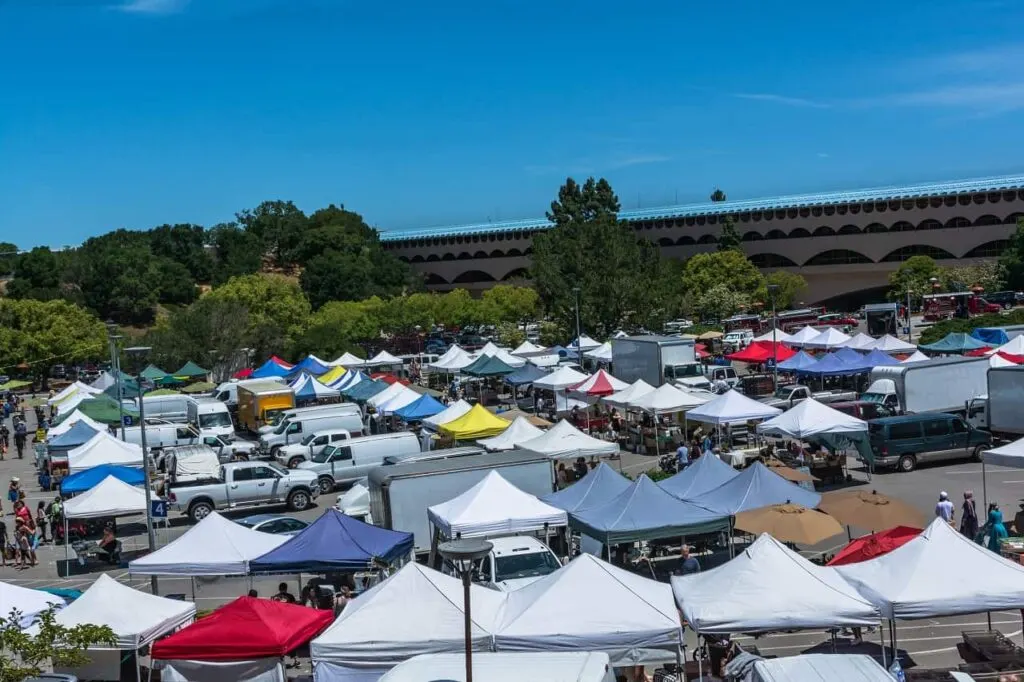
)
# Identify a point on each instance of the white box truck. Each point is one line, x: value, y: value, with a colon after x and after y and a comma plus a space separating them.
x: 1001, y: 410
x: 937, y: 385
x: 655, y: 359
x: 400, y: 494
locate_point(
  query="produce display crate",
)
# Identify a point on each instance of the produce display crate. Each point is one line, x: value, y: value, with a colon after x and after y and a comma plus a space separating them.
x: 990, y: 646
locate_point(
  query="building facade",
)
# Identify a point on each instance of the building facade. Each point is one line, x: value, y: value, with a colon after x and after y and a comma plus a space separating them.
x: 845, y: 244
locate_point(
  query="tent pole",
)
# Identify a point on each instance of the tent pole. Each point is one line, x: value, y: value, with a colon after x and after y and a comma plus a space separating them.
x: 138, y: 669
x: 67, y: 543
x: 895, y: 643
x: 984, y: 489
x: 881, y: 640
x: 193, y: 581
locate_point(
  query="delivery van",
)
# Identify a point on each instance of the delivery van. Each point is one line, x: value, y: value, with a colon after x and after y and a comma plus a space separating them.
x: 210, y: 416
x: 294, y: 430
x: 260, y: 401
x: 351, y: 460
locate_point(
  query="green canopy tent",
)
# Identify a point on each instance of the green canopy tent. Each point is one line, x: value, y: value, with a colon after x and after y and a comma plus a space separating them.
x: 488, y: 366
x: 199, y: 387
x: 170, y: 380
x: 153, y: 373
x: 103, y: 409
x: 192, y: 371
x: 129, y: 388
x: 14, y: 384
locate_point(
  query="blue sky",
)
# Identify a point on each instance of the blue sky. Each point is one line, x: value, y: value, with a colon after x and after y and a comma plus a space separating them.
x: 132, y: 113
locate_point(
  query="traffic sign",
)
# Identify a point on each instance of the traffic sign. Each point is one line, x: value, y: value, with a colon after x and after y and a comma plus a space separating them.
x: 158, y: 509
x: 127, y: 420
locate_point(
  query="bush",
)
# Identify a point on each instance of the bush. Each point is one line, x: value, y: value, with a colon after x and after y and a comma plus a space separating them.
x: 940, y: 329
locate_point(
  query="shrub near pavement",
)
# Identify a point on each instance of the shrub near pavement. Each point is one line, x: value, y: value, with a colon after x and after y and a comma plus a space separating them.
x: 940, y: 329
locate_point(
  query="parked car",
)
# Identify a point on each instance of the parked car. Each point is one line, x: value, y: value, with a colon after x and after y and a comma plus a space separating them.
x: 1007, y: 299
x: 245, y: 484
x: 863, y: 409
x: 276, y: 524
x: 906, y: 441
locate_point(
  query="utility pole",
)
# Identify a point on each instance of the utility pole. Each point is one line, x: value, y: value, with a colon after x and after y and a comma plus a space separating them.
x: 140, y: 353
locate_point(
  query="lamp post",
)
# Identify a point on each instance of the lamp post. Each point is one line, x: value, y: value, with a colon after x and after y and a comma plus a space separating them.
x: 462, y: 554
x: 910, y: 325
x: 115, y: 367
x: 579, y: 354
x: 140, y: 352
x: 773, y: 290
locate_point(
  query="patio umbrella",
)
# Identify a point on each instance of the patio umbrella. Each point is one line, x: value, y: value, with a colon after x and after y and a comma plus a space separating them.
x: 870, y: 510
x: 789, y: 523
x: 789, y: 473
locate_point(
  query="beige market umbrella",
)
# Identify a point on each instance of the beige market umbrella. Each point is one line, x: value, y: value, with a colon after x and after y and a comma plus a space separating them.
x: 789, y: 523
x: 710, y: 335
x: 789, y: 473
x: 870, y: 510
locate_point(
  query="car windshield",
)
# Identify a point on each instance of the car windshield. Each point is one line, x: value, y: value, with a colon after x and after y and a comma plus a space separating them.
x: 207, y: 421
x: 308, y: 439
x: 784, y: 391
x: 282, y: 427
x: 324, y: 455
x: 276, y: 467
x: 531, y: 565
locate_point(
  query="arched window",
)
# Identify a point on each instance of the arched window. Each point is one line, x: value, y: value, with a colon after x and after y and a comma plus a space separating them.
x: 1013, y: 218
x: 518, y: 273
x: 958, y: 222
x: 404, y: 259
x: 838, y: 257
x: 799, y: 233
x: 987, y: 219
x: 775, y: 234
x: 823, y: 231
x: 432, y: 258
x: 930, y: 224
x: 752, y: 236
x: 464, y: 256
x: 417, y: 258
x: 434, y: 279
x: 989, y: 249
x: 473, y: 277
x: 665, y: 241
x: 707, y: 239
x: 849, y: 229
x: 479, y: 254
x: 771, y: 260
x: 685, y: 240
x: 448, y: 256
x: 903, y: 253
x: 497, y: 253
x: 514, y: 253
x: 874, y: 228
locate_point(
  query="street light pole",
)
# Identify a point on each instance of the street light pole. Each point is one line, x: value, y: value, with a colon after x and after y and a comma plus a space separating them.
x: 115, y: 367
x: 910, y: 326
x: 140, y: 352
x: 773, y: 289
x: 462, y: 554
x: 579, y: 355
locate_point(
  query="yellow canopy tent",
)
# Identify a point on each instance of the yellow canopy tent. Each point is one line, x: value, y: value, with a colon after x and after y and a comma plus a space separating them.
x: 477, y: 423
x: 332, y: 375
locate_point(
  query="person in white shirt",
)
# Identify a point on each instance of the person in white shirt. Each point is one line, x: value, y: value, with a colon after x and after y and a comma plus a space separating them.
x: 944, y: 509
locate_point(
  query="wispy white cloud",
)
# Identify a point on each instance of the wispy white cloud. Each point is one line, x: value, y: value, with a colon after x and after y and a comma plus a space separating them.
x: 982, y: 99
x: 592, y: 166
x: 782, y: 99
x: 822, y: 155
x: 152, y: 6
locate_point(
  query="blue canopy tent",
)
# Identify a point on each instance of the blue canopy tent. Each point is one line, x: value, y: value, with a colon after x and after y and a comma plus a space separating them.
x: 562, y: 352
x: 527, y: 374
x: 421, y: 408
x: 991, y: 336
x: 954, y: 342
x: 79, y: 434
x: 643, y: 511
x: 755, y: 487
x: 832, y: 366
x: 601, y: 484
x: 309, y: 365
x: 335, y: 542
x: 349, y: 379
x: 90, y: 478
x: 707, y: 473
x: 849, y: 356
x: 269, y: 369
x: 365, y: 390
x: 877, y: 358
x: 801, y: 360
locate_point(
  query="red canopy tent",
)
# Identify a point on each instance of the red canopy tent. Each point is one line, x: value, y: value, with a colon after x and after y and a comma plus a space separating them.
x: 283, y: 363
x: 246, y: 629
x: 389, y: 378
x: 601, y: 383
x: 876, y: 544
x: 761, y: 351
x: 243, y: 373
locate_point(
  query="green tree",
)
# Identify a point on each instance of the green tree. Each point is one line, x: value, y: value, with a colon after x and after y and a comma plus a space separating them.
x: 913, y: 275
x: 8, y: 258
x: 729, y: 240
x: 985, y: 274
x: 184, y: 244
x: 278, y: 310
x: 36, y: 275
x: 510, y: 334
x: 1011, y: 263
x: 211, y: 331
x: 341, y: 326
x: 790, y: 287
x: 175, y: 283
x: 718, y: 195
x: 505, y: 303
x: 51, y: 645
x: 116, y: 275
x: 280, y: 227
x: 237, y: 252
x: 730, y: 268
x: 46, y: 333
x: 721, y: 301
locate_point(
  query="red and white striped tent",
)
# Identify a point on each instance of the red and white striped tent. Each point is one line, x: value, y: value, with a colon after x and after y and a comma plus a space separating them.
x: 601, y: 383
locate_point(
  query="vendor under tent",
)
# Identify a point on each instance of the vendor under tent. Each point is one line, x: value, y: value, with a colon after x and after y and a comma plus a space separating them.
x: 383, y: 359
x: 561, y: 379
x: 90, y: 478
x: 347, y: 360
x: 494, y: 507
x: 829, y: 338
x: 644, y: 511
x: 71, y: 420
x: 27, y: 602
x: 905, y: 583
x: 335, y: 543
x: 667, y: 399
x: 580, y: 666
x: 478, y: 422
x: 803, y: 336
x: 564, y: 440
x: 600, y: 485
x: 600, y: 383
x: 451, y: 413
x: 590, y: 605
x: 622, y: 398
x: 137, y: 619
x: 270, y: 369
x: 730, y: 408
x: 754, y: 487
x: 214, y: 546
x: 246, y: 639
x: 415, y: 611
x: 526, y: 374
x: 774, y: 336
x: 706, y: 473
x: 860, y: 341
x: 798, y: 362
x: 917, y: 356
x: 77, y: 435
x: 954, y: 343
x: 734, y: 597
x: 520, y: 431
x: 874, y: 545
x: 890, y: 344
x: 104, y: 449
x: 421, y: 408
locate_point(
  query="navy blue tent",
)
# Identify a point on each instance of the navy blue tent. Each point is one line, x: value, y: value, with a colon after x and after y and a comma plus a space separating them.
x: 706, y: 473
x: 90, y: 478
x: 755, y: 487
x: 79, y: 434
x: 600, y: 485
x: 527, y: 374
x: 421, y: 408
x: 991, y: 336
x: 832, y: 366
x: 309, y: 365
x: 270, y: 369
x: 335, y: 542
x: 643, y: 511
x: 801, y: 360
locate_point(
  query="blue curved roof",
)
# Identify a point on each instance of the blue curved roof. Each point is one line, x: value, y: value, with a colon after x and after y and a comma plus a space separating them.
x: 994, y: 184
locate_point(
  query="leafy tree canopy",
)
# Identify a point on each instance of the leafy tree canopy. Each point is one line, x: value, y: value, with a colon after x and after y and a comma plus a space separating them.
x: 790, y: 287
x: 42, y: 334
x: 913, y: 275
x: 273, y: 302
x: 1011, y: 263
x: 24, y: 655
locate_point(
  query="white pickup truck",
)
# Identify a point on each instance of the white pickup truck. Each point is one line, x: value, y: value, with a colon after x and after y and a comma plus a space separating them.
x: 787, y: 396
x: 244, y: 484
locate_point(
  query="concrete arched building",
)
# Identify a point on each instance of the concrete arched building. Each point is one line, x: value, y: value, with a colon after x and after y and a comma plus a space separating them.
x: 844, y: 244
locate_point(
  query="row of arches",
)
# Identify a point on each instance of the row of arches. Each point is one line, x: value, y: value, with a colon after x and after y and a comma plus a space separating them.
x: 475, y: 277
x: 466, y: 255
x: 848, y: 257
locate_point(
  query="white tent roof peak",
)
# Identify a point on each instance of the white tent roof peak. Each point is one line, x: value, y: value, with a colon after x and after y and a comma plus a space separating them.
x: 346, y: 360
x: 382, y: 358
x: 623, y: 398
x: 583, y: 343
x: 494, y: 507
x: 803, y: 336
x: 104, y: 449
x: 387, y: 394
x: 732, y: 407
x: 28, y: 602
x: 526, y: 348
x: 917, y: 356
x: 502, y: 354
x: 454, y: 359
x: 779, y: 336
x: 71, y: 420
x: 104, y: 381
x: 997, y: 360
x: 520, y: 431
x: 667, y: 399
x: 810, y: 418
x: 1014, y: 346
x: 451, y: 413
x: 77, y: 388
x: 320, y: 390
x: 602, y: 352
x: 563, y: 377
x: 890, y: 344
x: 110, y: 497
x: 565, y: 440
x: 830, y: 338
x: 1009, y: 455
x: 860, y: 341
x: 403, y: 398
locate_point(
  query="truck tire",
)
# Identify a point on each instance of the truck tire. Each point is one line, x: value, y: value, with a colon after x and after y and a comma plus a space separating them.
x: 299, y: 500
x: 199, y: 510
x: 978, y: 449
x: 906, y: 463
x: 274, y: 450
x: 240, y: 457
x: 1007, y: 306
x: 326, y: 484
x: 295, y: 461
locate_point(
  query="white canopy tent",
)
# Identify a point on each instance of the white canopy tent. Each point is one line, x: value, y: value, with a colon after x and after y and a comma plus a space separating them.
x: 667, y: 399
x: 1014, y: 346
x: 602, y: 353
x: 830, y: 338
x: 583, y: 343
x: 860, y: 341
x: 347, y: 360
x: 527, y: 348
x: 104, y: 449
x: 110, y: 497
x: 1009, y: 455
x: 582, y: 666
x: 560, y: 379
x: 544, y: 361
x: 392, y: 391
x: 590, y: 605
x: 137, y: 618
x: 565, y: 440
x: 214, y: 546
x: 77, y: 388
x: 399, y: 401
x: 520, y: 431
x: 820, y: 668
x: 71, y: 420
x: 731, y: 407
x: 415, y: 611
x: 320, y: 390
x: 451, y: 413
x: 502, y: 354
x: 733, y: 597
x: 803, y: 336
x: 453, y: 360
x: 382, y: 359
x: 890, y: 344
x: 494, y: 507
x: 907, y: 583
x: 104, y: 381
x: 774, y: 335
x: 997, y: 360
x: 27, y: 602
x: 917, y: 356
x: 623, y: 398
x: 811, y: 418
x: 71, y: 402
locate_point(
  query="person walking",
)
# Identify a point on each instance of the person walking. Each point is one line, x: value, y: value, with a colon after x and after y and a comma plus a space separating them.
x: 682, y: 456
x: 995, y: 529
x: 944, y: 508
x: 968, y: 516
x: 688, y: 564
x: 41, y: 520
